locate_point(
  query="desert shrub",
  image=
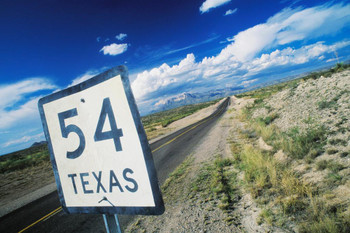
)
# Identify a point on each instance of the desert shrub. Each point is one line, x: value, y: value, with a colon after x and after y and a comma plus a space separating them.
x: 321, y: 165
x: 218, y: 181
x: 266, y: 215
x: 298, y: 144
x: 326, y: 104
x: 24, y: 160
x: 337, y: 141
x: 331, y: 151
x: 269, y: 119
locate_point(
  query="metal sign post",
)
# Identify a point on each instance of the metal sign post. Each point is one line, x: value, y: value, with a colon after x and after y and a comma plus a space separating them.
x: 112, y: 223
x: 99, y: 150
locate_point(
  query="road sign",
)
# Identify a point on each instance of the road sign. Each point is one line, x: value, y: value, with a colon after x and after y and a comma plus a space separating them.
x: 98, y: 147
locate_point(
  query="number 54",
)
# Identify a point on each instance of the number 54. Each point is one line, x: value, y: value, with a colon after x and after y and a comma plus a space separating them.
x: 114, y: 133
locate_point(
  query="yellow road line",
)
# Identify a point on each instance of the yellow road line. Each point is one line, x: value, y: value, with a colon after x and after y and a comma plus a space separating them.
x: 168, y: 142
x: 46, y: 216
x: 185, y: 132
x: 178, y: 136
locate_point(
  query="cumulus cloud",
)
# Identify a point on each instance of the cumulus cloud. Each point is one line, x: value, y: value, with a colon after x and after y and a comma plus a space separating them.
x: 121, y: 36
x: 209, y: 4
x: 114, y: 49
x: 251, y: 51
x: 290, y: 56
x: 164, y: 76
x: 288, y: 26
x: 230, y: 12
x: 213, y: 71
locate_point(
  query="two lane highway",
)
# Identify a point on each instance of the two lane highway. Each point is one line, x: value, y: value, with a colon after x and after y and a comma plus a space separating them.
x: 45, y: 214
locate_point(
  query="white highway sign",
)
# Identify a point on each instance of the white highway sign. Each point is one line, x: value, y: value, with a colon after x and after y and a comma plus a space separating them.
x: 99, y: 151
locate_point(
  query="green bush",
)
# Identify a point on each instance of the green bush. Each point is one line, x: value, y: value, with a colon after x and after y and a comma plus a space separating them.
x: 326, y: 104
x: 24, y: 159
x: 299, y: 144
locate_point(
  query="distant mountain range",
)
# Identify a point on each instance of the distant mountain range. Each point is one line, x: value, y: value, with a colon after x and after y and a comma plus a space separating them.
x: 187, y: 98
x: 38, y: 143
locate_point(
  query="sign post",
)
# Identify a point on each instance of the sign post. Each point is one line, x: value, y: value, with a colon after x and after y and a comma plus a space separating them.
x: 99, y: 150
x: 112, y: 223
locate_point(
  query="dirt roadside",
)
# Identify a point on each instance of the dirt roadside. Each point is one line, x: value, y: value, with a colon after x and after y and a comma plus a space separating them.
x: 188, y: 211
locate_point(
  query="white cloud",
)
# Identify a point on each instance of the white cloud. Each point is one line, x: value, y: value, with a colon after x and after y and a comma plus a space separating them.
x: 193, y: 45
x: 208, y: 4
x: 251, y: 51
x: 19, y: 111
x: 114, y: 49
x: 158, y: 78
x: 288, y: 26
x: 121, y: 36
x: 248, y: 82
x: 24, y: 114
x: 24, y: 139
x: 230, y: 12
x: 18, y: 102
x: 89, y: 74
x: 289, y: 56
x: 11, y: 93
x: 331, y: 60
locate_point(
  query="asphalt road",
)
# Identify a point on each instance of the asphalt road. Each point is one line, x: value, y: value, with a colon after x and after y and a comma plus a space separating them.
x: 45, y: 214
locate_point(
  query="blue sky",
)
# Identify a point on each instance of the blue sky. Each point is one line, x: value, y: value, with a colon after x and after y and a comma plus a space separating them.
x: 170, y: 47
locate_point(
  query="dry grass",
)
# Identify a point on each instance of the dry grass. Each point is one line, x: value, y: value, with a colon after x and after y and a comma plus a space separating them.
x: 283, y: 194
x: 282, y: 191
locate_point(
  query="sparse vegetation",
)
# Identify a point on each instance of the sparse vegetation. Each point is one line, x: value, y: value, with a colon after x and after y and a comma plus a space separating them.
x: 211, y: 187
x: 176, y: 177
x: 299, y: 144
x: 327, y: 104
x: 217, y: 181
x: 24, y: 159
x: 281, y: 188
x: 276, y: 185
